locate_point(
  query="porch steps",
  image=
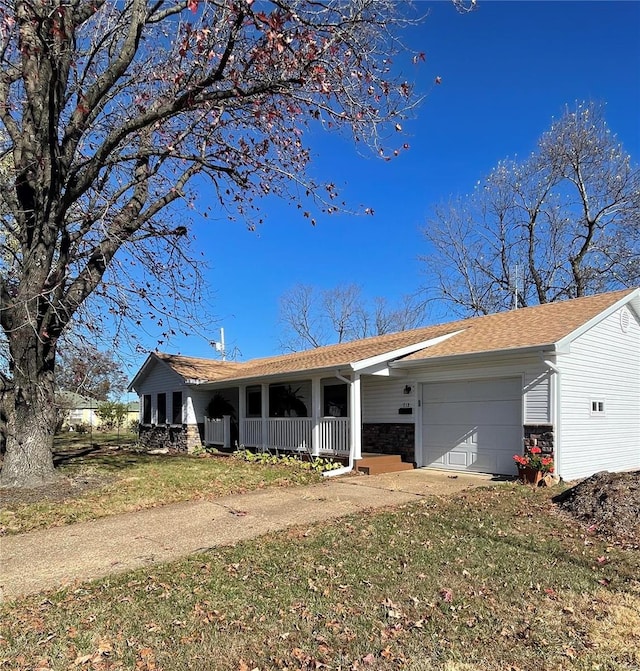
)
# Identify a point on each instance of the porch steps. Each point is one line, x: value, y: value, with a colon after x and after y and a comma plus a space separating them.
x: 374, y: 464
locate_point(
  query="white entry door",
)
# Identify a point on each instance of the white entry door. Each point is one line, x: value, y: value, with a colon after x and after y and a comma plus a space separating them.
x: 472, y: 425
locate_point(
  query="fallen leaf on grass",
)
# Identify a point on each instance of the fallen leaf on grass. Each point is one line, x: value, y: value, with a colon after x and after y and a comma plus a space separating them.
x: 82, y: 659
x: 446, y: 594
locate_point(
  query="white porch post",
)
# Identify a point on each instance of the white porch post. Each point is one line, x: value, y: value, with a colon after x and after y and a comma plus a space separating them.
x: 316, y: 414
x: 264, y: 398
x: 356, y: 418
x: 242, y: 413
x: 226, y: 430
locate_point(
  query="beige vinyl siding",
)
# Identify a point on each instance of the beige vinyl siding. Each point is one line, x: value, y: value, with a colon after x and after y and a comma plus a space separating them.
x: 604, y: 365
x: 383, y: 396
x: 537, y: 398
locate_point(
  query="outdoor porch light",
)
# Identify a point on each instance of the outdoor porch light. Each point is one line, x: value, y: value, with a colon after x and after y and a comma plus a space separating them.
x: 407, y: 389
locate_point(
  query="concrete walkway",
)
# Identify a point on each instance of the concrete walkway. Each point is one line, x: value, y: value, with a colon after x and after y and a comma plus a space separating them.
x: 53, y: 558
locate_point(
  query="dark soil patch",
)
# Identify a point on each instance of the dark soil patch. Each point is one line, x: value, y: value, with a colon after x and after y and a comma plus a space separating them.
x: 61, y: 488
x: 609, y: 503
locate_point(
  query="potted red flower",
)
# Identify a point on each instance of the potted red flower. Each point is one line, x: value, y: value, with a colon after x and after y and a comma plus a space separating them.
x: 533, y: 465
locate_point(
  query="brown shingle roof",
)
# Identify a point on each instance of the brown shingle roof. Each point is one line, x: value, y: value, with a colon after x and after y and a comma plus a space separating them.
x: 192, y: 368
x: 528, y: 327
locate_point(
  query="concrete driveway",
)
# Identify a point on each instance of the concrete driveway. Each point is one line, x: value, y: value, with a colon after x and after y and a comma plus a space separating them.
x: 54, y: 558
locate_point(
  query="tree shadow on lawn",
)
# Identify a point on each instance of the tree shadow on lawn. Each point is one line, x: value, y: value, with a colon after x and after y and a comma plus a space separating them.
x: 107, y: 458
x: 81, y: 470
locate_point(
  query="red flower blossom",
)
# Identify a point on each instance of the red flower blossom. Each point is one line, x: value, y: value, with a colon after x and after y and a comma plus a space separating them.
x: 532, y: 459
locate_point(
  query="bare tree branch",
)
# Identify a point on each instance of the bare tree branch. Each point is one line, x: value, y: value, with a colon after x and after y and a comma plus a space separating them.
x: 561, y: 224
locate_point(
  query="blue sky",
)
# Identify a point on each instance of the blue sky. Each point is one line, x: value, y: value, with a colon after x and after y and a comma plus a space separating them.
x: 507, y: 70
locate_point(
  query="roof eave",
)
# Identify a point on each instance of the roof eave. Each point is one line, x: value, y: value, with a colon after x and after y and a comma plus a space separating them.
x: 543, y: 349
x: 286, y: 375
x: 387, y: 357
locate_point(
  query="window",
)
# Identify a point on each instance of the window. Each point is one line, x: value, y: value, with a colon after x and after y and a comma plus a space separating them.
x: 75, y: 415
x: 161, y: 409
x: 254, y: 402
x: 146, y: 409
x: 176, y: 408
x: 597, y: 407
x: 335, y: 400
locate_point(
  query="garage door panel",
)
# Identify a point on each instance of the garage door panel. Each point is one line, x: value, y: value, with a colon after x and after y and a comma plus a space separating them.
x: 474, y: 390
x: 474, y: 425
x: 449, y: 434
x: 468, y: 460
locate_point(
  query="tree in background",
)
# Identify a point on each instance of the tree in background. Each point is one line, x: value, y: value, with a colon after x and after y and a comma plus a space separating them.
x: 313, y: 318
x: 109, y: 110
x: 563, y: 223
x: 112, y: 414
x: 83, y: 369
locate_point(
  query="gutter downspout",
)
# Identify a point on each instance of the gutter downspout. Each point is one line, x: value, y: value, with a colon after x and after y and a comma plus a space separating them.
x: 557, y: 387
x: 349, y: 467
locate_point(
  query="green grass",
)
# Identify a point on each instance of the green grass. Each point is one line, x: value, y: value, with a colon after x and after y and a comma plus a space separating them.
x: 492, y: 579
x: 131, y: 480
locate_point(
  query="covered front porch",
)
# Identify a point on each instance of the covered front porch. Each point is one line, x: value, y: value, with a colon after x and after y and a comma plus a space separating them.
x: 319, y: 417
x: 329, y: 436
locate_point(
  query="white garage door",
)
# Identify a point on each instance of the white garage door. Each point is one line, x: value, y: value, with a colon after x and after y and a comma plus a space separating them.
x: 472, y: 425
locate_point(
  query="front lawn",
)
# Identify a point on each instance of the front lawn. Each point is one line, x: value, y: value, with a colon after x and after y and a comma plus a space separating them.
x: 494, y: 579
x: 97, y: 479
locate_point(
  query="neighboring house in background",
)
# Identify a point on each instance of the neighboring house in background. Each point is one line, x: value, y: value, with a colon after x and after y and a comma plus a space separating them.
x: 76, y: 410
x: 133, y: 412
x: 461, y: 396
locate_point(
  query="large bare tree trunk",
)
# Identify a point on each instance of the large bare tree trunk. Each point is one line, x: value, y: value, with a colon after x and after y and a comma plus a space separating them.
x: 31, y: 414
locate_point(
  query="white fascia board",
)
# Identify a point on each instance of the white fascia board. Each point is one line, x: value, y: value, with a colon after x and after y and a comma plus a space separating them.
x: 383, y: 370
x: 633, y: 297
x: 544, y: 350
x: 375, y: 361
x: 273, y: 378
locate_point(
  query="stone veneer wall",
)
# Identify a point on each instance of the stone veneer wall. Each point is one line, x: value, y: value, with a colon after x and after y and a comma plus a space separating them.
x: 540, y: 435
x: 390, y: 439
x: 181, y: 438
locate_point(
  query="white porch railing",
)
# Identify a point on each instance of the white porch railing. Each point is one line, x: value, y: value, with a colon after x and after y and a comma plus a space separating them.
x: 252, y: 433
x: 296, y: 433
x: 217, y: 431
x: 334, y: 435
x: 290, y: 433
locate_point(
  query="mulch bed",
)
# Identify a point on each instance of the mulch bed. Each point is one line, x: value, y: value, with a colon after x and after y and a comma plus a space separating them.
x: 608, y: 503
